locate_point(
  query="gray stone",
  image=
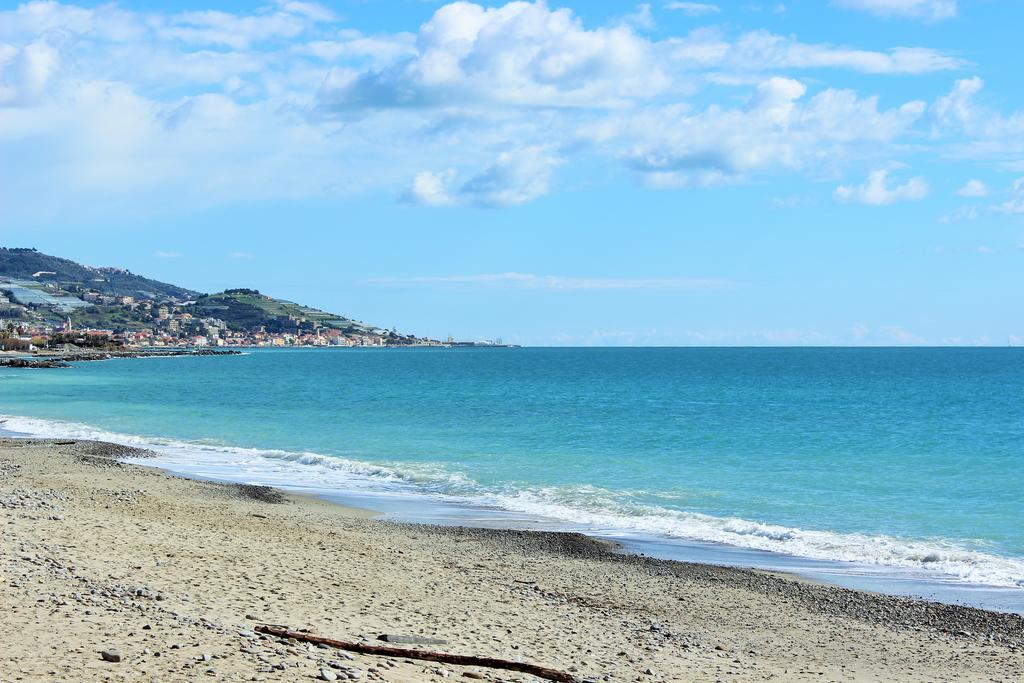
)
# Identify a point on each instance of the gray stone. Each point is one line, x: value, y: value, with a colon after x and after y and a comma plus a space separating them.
x: 111, y: 655
x: 328, y: 675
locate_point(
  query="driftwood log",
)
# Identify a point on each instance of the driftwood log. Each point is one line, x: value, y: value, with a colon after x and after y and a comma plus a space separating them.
x: 443, y: 657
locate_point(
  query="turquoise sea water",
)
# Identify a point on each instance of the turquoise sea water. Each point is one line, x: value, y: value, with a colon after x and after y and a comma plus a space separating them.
x: 896, y: 459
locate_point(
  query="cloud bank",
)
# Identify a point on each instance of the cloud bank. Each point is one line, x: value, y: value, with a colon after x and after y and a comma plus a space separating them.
x: 479, y: 106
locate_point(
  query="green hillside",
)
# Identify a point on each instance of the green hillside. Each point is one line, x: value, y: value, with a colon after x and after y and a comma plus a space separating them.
x: 29, y: 264
x: 247, y: 309
x: 37, y: 286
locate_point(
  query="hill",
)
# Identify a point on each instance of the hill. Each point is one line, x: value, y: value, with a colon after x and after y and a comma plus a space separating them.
x: 39, y: 289
x: 32, y: 265
x: 247, y: 309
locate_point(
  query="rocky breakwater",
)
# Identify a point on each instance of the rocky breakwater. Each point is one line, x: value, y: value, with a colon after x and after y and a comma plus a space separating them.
x: 63, y: 359
x: 30, y: 363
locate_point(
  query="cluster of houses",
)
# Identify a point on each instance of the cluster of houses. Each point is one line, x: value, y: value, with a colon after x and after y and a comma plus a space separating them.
x: 208, y: 332
x: 148, y: 323
x: 171, y: 325
x: 214, y: 334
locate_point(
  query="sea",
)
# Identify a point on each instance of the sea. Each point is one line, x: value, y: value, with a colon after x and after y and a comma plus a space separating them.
x: 898, y: 470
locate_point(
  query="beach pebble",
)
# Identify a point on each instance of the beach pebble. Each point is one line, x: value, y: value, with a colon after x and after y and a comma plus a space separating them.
x: 328, y: 675
x: 111, y: 655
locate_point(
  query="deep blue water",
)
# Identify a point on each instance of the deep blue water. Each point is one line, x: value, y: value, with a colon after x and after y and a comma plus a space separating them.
x: 891, y: 458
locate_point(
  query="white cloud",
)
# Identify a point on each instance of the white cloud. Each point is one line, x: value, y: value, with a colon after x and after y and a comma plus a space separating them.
x: 957, y: 107
x: 310, y: 10
x: 210, y: 27
x: 1015, y: 204
x: 973, y: 188
x: 989, y: 134
x: 26, y: 73
x: 519, y: 54
x: 769, y: 337
x: 929, y: 10
x: 379, y: 50
x: 655, y: 337
x: 676, y: 147
x: 168, y: 111
x: 694, y: 9
x: 532, y: 281
x: 903, y: 337
x: 964, y: 213
x: 641, y: 18
x: 432, y: 189
x: 877, y: 192
x: 762, y: 50
x: 515, y: 177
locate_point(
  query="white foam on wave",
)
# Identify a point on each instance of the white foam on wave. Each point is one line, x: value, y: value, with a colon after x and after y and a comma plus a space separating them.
x: 251, y: 465
x: 578, y: 506
x: 934, y: 556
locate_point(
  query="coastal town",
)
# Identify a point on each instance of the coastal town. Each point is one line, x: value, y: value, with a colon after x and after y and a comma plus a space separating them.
x: 181, y: 329
x: 168, y: 324
x: 52, y: 304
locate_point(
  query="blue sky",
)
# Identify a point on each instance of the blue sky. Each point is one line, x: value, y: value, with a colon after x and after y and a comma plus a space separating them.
x: 607, y: 173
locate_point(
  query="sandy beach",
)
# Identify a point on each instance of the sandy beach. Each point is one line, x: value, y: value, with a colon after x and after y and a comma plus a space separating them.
x: 175, y: 575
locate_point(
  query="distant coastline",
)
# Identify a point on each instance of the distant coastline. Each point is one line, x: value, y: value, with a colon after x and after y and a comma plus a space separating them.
x: 44, y: 359
x: 49, y: 303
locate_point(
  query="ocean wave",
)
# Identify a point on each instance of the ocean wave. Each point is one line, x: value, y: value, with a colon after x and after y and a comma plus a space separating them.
x: 935, y: 556
x: 584, y: 506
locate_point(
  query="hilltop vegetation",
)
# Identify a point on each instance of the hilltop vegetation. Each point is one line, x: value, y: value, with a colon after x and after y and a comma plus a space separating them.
x: 29, y: 264
x: 245, y: 309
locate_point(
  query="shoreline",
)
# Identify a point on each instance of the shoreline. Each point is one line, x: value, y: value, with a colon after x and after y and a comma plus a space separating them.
x: 216, y: 552
x: 412, y: 506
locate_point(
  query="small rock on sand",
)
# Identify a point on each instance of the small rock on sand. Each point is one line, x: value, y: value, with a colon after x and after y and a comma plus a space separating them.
x: 328, y: 675
x: 111, y: 655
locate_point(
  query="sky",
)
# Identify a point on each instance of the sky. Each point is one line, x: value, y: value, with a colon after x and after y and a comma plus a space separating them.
x: 843, y: 172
